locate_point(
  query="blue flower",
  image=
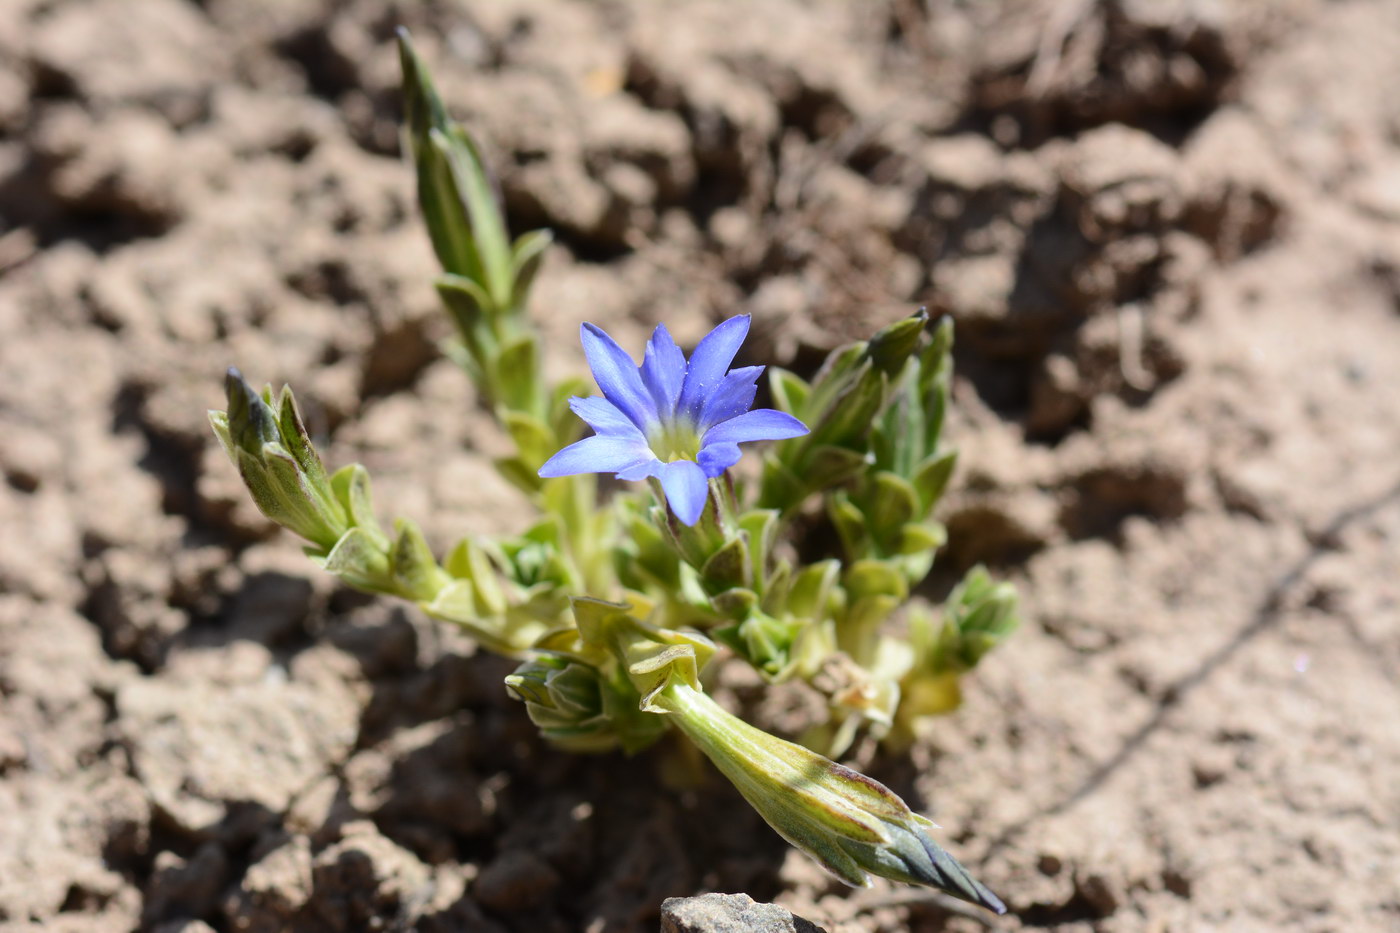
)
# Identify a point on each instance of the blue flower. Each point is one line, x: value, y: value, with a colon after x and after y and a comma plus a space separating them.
x: 679, y: 421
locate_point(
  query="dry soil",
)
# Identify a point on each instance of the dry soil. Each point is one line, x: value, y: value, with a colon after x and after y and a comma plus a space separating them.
x: 1169, y: 234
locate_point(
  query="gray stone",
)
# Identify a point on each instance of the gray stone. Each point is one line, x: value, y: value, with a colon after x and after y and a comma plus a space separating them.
x: 729, y: 913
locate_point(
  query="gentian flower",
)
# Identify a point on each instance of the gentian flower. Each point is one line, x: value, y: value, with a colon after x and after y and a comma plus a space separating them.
x: 677, y: 420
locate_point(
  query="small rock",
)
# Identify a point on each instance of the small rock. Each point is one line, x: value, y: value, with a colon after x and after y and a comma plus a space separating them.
x: 729, y: 913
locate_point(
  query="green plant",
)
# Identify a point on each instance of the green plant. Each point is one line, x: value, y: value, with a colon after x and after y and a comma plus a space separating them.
x: 615, y: 607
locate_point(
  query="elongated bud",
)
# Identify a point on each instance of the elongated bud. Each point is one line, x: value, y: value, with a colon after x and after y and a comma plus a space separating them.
x: 852, y: 825
x: 273, y: 453
x: 486, y: 276
x: 462, y: 206
x: 266, y: 439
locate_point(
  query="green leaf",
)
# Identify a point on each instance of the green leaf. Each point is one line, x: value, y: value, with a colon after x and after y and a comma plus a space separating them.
x: 935, y: 382
x: 761, y: 525
x: 875, y: 578
x: 218, y: 420
x: 443, y: 208
x: 728, y: 566
x: 850, y: 525
x: 414, y: 568
x: 859, y: 630
x: 850, y: 419
x: 566, y: 425
x: 893, y: 345
x: 444, y: 213
x: 358, y: 561
x: 487, y: 225
x: 891, y: 503
x: 423, y: 108
x: 735, y: 603
x: 296, y: 439
x: 978, y: 615
x: 828, y: 466
x: 532, y: 437
x: 299, y: 504
x: 467, y: 304
x: 527, y: 255
x: 932, y: 477
x: 841, y: 367
x: 519, y: 474
x: 898, y: 440
x: 790, y: 391
x: 594, y: 618
x: 351, y: 487
x: 775, y: 588
x: 941, y: 346
x: 458, y: 602
x: 763, y: 641
x: 810, y: 594
x: 919, y: 537
x: 518, y: 380
x: 779, y: 487
x: 468, y: 561
x: 259, y: 485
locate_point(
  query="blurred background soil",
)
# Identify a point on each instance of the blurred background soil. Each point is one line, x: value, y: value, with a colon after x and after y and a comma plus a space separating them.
x: 1169, y: 233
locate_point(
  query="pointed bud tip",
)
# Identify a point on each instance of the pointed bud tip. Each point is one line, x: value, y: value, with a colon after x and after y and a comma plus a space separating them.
x: 235, y: 386
x: 987, y: 899
x: 949, y: 876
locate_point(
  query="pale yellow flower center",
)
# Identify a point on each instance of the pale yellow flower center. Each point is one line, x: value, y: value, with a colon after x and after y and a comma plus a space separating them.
x: 674, y: 440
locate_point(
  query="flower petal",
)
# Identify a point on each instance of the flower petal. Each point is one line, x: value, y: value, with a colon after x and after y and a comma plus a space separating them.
x: 761, y: 424
x: 641, y: 470
x: 604, y: 417
x: 601, y: 453
x: 714, y: 459
x: 710, y: 362
x: 663, y: 371
x: 733, y: 397
x: 686, y: 489
x: 617, y: 376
